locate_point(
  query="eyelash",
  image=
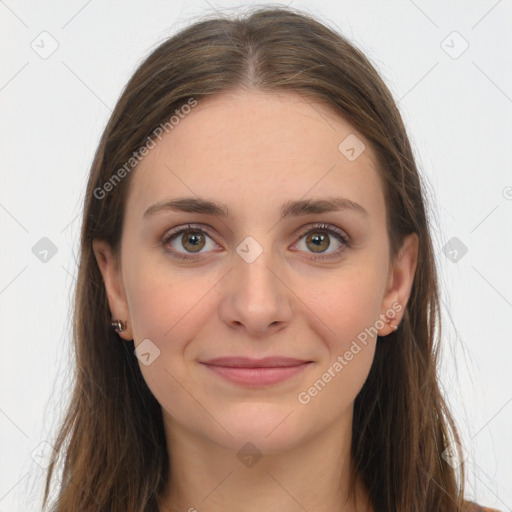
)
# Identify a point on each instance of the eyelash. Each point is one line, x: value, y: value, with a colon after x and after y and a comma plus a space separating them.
x: 324, y: 228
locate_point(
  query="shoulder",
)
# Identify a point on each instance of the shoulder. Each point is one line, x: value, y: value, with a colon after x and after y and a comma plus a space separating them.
x: 470, y: 506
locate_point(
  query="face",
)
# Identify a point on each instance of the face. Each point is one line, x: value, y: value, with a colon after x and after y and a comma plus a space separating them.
x: 250, y: 283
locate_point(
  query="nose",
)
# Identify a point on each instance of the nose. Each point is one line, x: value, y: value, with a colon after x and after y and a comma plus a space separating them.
x: 255, y: 297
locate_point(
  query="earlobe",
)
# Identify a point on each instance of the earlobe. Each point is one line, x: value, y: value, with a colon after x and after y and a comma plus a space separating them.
x: 390, y: 318
x: 110, y: 270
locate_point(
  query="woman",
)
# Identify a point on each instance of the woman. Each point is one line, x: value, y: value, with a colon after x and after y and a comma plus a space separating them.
x: 257, y: 308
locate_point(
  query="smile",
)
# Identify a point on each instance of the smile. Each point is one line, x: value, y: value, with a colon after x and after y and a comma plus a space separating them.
x: 248, y: 372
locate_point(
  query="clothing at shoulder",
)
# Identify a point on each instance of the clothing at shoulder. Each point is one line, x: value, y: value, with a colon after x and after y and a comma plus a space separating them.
x: 474, y: 507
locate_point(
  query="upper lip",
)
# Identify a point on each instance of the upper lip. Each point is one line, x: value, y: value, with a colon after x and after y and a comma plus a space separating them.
x: 245, y: 362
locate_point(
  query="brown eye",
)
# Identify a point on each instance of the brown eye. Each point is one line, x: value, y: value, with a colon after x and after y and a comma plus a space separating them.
x: 193, y: 241
x: 319, y: 241
x: 188, y: 242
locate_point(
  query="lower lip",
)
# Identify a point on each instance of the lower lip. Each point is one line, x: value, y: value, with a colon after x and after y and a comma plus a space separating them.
x: 257, y: 376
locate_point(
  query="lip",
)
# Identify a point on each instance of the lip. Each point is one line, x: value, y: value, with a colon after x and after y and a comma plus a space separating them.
x: 256, y: 372
x: 247, y: 362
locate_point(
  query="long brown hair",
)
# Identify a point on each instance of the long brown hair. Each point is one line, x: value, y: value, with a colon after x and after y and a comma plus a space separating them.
x: 111, y: 443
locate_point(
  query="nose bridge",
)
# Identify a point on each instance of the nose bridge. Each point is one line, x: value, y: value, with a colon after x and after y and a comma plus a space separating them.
x: 255, y: 296
x: 255, y: 276
x: 256, y: 283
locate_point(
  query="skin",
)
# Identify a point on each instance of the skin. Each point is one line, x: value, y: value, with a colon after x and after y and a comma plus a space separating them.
x: 253, y: 152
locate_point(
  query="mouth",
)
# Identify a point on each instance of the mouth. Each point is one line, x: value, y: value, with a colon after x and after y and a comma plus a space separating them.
x: 256, y: 372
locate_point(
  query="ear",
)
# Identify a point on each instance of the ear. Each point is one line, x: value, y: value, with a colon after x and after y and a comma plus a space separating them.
x: 401, y: 277
x: 110, y: 269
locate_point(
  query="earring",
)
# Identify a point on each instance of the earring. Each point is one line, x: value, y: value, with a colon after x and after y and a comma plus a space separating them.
x: 118, y: 325
x: 394, y: 327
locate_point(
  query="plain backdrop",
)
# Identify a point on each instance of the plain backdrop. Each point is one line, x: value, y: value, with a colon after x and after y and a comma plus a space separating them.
x: 63, y: 66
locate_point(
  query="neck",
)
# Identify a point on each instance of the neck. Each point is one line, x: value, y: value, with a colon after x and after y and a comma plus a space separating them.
x: 314, y: 475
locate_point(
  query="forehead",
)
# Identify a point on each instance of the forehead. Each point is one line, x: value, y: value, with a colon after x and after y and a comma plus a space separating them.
x: 266, y: 147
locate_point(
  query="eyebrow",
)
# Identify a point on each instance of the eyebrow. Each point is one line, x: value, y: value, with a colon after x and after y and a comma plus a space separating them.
x: 289, y: 209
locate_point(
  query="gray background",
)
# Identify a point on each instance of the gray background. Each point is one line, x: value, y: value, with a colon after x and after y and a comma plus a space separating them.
x: 457, y: 106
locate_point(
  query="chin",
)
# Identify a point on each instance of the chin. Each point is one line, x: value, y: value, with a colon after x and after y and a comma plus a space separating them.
x: 269, y: 427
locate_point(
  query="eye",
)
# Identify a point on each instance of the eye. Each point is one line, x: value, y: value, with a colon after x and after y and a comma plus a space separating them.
x: 319, y: 239
x: 191, y: 239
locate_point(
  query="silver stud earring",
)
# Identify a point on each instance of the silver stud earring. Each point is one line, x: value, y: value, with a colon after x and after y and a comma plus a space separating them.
x: 118, y: 325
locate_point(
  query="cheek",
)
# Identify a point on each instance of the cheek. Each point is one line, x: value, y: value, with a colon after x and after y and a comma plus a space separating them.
x: 165, y: 303
x: 345, y: 318
x: 347, y: 303
x: 169, y: 310
x: 346, y: 308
